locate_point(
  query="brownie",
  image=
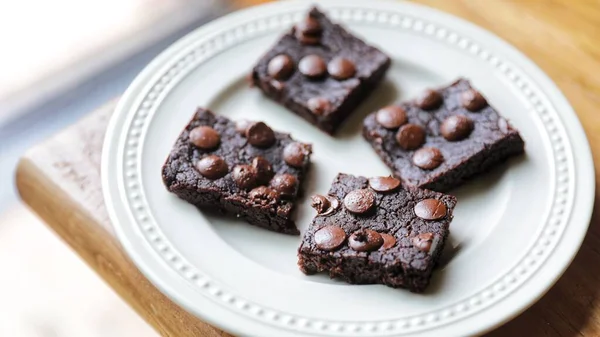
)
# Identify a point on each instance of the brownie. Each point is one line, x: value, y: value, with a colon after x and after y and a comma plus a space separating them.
x: 244, y: 168
x: 376, y: 231
x: 442, y: 138
x: 320, y: 71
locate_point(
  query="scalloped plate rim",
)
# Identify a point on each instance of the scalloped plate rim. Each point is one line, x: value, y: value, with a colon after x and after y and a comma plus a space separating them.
x: 568, y: 118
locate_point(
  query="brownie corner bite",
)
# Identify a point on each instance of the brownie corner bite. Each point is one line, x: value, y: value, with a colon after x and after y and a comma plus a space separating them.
x: 374, y: 231
x: 240, y: 168
x: 320, y: 71
x: 442, y: 138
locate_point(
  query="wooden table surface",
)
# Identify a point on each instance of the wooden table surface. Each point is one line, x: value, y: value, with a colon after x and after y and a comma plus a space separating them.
x: 60, y: 178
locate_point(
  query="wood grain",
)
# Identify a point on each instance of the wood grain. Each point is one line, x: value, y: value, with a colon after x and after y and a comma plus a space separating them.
x: 60, y: 178
x: 60, y: 181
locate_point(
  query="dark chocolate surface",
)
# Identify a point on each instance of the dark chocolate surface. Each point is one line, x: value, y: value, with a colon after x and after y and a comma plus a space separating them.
x: 491, y: 141
x: 402, y: 265
x: 343, y: 95
x: 181, y: 177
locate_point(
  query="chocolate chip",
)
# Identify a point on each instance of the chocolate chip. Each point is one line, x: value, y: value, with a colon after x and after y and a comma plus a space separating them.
x: 245, y: 176
x: 280, y: 67
x: 330, y: 237
x: 472, y: 100
x: 384, y: 184
x: 308, y: 31
x: 260, y: 134
x: 285, y: 184
x: 277, y: 85
x: 359, y: 201
x: 429, y: 100
x: 341, y: 68
x: 324, y: 205
x: 428, y: 158
x: 391, y: 117
x: 423, y: 241
x: 295, y: 154
x: 376, y: 137
x: 312, y: 66
x: 320, y: 203
x: 309, y: 26
x: 212, y: 167
x: 388, y: 241
x: 242, y: 125
x: 264, y: 170
x: 365, y: 240
x: 457, y: 127
x: 264, y: 193
x: 410, y: 136
x: 205, y: 137
x: 308, y: 39
x: 319, y: 105
x: 430, y: 209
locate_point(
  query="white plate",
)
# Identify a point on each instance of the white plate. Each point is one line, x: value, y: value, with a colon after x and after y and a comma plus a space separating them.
x: 515, y: 230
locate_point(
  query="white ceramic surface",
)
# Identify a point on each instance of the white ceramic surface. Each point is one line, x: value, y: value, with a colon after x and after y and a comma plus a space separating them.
x: 515, y: 231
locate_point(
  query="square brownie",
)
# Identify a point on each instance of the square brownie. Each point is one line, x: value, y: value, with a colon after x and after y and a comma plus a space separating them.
x: 376, y: 231
x: 320, y: 71
x: 242, y: 168
x: 441, y: 139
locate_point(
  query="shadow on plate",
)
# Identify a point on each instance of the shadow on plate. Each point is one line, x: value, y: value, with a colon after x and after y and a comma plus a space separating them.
x: 386, y: 93
x: 471, y: 189
x: 570, y: 308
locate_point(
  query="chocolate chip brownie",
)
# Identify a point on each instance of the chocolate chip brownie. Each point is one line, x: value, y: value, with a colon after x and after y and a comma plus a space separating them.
x: 320, y: 71
x: 242, y: 168
x: 442, y: 138
x: 375, y: 231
